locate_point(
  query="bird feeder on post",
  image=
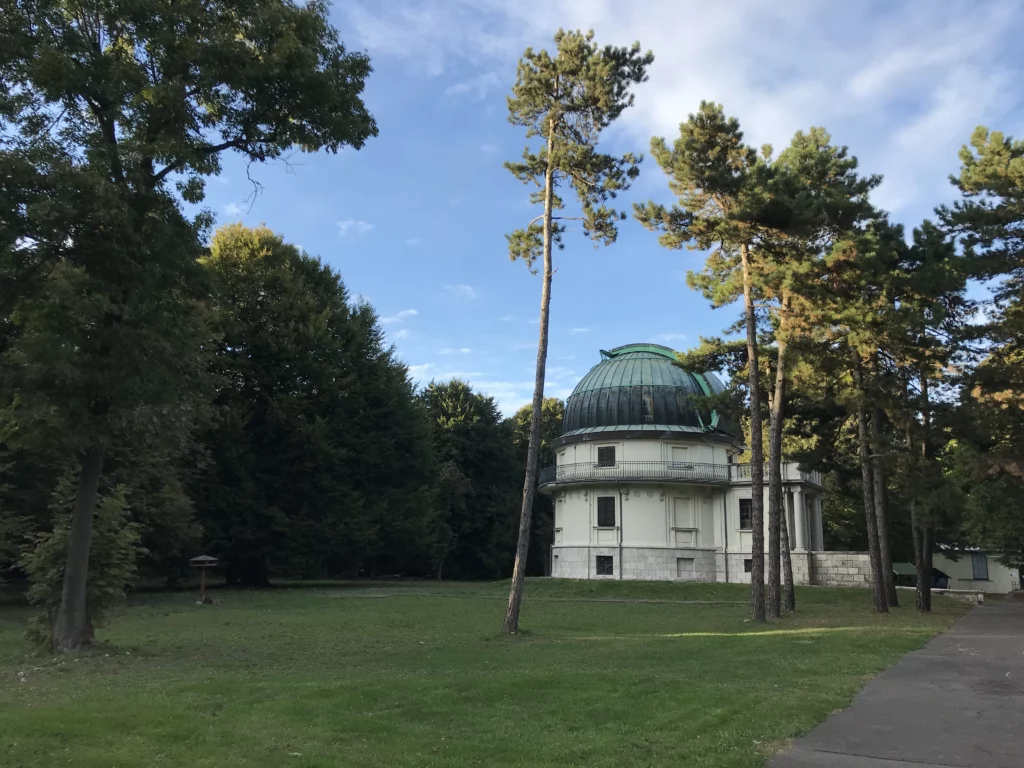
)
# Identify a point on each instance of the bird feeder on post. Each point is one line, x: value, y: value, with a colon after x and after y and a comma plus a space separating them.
x: 202, y: 563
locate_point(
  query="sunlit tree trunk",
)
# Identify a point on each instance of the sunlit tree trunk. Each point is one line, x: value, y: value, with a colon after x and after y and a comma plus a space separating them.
x: 757, y: 597
x: 515, y: 596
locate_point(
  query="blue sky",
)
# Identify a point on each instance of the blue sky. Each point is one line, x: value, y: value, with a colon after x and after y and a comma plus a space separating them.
x: 415, y: 221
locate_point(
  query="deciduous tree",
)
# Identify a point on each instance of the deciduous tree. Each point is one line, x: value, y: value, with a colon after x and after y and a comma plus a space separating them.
x: 124, y: 109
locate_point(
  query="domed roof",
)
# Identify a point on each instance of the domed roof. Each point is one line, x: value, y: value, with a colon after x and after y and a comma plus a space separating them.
x: 641, y: 387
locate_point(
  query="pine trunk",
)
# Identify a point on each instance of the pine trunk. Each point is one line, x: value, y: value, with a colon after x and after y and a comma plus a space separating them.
x: 882, y: 509
x: 757, y: 601
x: 515, y: 596
x: 920, y: 561
x: 775, y: 513
x: 924, y: 521
x: 72, y: 627
x: 926, y: 537
x: 867, y: 481
x: 788, y: 593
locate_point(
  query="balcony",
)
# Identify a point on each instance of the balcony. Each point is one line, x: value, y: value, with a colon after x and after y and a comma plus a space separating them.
x: 666, y: 471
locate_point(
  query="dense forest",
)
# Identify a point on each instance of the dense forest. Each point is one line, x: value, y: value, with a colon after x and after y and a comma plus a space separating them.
x: 167, y: 389
x: 307, y: 452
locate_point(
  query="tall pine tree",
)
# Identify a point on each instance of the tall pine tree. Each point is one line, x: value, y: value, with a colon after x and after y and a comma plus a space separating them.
x: 566, y: 100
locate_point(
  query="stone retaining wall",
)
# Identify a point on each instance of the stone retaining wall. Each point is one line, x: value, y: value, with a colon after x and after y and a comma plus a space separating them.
x: 839, y: 569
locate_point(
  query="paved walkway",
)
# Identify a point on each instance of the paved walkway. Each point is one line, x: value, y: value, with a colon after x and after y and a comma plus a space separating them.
x: 959, y: 702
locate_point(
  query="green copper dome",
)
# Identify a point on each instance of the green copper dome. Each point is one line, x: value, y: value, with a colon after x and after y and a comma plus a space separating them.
x: 641, y: 387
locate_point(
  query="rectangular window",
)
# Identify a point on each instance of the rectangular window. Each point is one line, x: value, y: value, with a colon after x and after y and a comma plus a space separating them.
x: 679, y: 456
x: 606, y: 456
x: 605, y: 511
x: 748, y: 565
x: 682, y: 512
x: 605, y: 565
x: 746, y: 515
x: 980, y: 563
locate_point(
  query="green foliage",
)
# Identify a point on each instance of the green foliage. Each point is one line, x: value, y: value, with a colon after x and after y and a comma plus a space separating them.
x: 988, y: 222
x: 723, y: 198
x: 155, y: 91
x: 567, y: 100
x: 112, y: 562
x: 479, y: 482
x: 316, y: 460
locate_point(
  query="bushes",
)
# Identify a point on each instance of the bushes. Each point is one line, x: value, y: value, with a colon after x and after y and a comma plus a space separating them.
x: 112, y: 561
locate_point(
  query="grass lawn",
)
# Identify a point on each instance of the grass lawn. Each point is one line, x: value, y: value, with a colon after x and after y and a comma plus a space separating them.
x: 607, y: 674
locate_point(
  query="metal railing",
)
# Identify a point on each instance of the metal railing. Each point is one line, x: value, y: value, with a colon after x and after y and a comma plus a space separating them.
x: 670, y: 471
x: 790, y: 471
x: 636, y: 470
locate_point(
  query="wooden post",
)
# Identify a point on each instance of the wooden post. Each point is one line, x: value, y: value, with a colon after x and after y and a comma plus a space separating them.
x: 202, y: 563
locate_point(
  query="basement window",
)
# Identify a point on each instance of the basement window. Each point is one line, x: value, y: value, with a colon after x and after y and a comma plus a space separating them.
x: 606, y: 456
x: 605, y: 511
x: 746, y: 515
x: 605, y: 565
x: 748, y: 565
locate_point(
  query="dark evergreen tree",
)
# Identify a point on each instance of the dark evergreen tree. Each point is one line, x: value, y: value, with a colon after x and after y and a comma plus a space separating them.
x: 478, y: 482
x: 317, y: 456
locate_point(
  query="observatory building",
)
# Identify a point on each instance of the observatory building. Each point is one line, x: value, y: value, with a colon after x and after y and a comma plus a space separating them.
x: 646, y: 484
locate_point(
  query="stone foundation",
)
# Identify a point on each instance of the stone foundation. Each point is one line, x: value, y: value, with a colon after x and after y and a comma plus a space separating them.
x: 638, y: 563
x: 826, y: 569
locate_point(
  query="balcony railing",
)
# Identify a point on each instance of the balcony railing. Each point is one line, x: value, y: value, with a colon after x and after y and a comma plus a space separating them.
x: 790, y: 472
x: 669, y: 471
x: 636, y: 470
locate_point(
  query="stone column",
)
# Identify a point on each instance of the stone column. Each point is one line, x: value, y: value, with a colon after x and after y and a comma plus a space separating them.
x: 800, y: 518
x: 819, y: 525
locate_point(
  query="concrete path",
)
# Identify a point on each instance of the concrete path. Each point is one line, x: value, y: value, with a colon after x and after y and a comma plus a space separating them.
x: 959, y: 702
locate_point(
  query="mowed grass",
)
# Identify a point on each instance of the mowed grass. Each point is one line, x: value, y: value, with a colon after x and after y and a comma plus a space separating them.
x: 607, y: 674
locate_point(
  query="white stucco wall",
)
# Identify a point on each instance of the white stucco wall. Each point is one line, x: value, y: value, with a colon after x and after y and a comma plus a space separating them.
x: 663, y: 530
x: 961, y: 574
x: 640, y: 449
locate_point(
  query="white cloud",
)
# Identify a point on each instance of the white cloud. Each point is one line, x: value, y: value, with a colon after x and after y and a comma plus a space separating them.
x: 579, y: 330
x: 419, y: 371
x: 466, y: 291
x: 507, y: 318
x: 355, y: 226
x: 233, y: 209
x: 413, y: 241
x: 449, y: 375
x: 400, y: 317
x: 668, y: 338
x: 459, y: 351
x: 402, y: 333
x: 477, y: 87
x: 882, y: 76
